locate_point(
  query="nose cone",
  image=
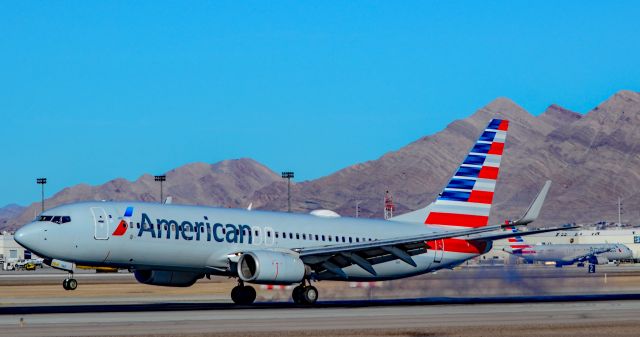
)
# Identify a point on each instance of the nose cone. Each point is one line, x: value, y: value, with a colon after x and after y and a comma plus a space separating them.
x: 28, y: 235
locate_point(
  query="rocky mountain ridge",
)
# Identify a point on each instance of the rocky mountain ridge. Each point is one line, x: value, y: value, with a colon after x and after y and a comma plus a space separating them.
x: 592, y: 159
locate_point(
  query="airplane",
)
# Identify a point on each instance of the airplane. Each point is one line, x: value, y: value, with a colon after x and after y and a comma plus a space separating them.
x: 568, y: 254
x: 176, y: 245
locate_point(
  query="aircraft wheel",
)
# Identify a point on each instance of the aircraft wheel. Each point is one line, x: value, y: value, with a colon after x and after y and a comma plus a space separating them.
x: 249, y: 295
x: 310, y: 295
x: 243, y: 295
x: 297, y: 294
x: 236, y: 293
x: 72, y: 284
x: 65, y: 284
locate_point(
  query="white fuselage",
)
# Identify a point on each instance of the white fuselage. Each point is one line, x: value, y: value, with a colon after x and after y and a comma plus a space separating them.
x: 206, y: 239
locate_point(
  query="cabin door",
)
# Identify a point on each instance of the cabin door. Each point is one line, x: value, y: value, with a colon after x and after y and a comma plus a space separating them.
x: 101, y: 223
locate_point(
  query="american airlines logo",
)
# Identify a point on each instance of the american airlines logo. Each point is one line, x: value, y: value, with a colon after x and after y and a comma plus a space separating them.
x: 196, y: 230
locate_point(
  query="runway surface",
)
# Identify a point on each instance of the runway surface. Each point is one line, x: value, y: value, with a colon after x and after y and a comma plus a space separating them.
x: 474, y: 301
x: 589, y: 318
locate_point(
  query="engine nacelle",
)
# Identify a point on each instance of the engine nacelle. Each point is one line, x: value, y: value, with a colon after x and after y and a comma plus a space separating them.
x: 167, y: 278
x: 602, y: 260
x: 268, y: 267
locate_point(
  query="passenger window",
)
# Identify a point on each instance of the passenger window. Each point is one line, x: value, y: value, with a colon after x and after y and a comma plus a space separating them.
x: 138, y: 225
x: 201, y: 229
x: 323, y: 238
x: 130, y: 224
x: 317, y: 237
x: 256, y: 232
x: 328, y: 237
x: 284, y: 235
x: 276, y: 235
x: 304, y: 236
x: 291, y: 236
x: 269, y: 233
x: 297, y: 236
x: 350, y: 241
x: 357, y: 239
x: 224, y: 230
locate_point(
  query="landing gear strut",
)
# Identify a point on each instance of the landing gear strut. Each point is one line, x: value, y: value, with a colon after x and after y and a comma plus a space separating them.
x: 70, y: 283
x: 242, y: 294
x: 305, y: 294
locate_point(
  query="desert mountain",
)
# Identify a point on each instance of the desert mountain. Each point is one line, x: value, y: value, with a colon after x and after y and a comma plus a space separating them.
x: 592, y: 159
x: 229, y: 183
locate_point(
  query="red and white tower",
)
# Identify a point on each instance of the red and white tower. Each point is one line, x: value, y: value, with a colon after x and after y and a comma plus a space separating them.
x: 389, y: 207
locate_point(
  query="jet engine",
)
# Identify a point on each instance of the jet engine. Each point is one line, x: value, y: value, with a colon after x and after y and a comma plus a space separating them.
x: 167, y: 278
x: 269, y: 267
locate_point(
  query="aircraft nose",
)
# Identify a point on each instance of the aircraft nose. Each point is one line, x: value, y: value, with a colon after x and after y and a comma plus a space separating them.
x: 28, y: 235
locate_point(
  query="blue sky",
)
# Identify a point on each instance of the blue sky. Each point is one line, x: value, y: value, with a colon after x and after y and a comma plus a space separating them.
x: 91, y: 90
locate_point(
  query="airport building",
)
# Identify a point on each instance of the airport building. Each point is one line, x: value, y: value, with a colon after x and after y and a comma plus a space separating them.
x: 628, y: 237
x: 10, y: 251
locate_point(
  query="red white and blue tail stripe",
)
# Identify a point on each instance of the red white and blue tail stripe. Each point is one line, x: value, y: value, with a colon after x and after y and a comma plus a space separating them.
x: 467, y: 198
x: 516, y: 243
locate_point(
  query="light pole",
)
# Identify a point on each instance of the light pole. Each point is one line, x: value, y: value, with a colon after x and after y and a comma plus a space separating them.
x: 288, y: 175
x: 42, y: 182
x: 161, y: 179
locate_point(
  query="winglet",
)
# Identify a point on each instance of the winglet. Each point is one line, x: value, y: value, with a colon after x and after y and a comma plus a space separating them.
x: 534, y: 209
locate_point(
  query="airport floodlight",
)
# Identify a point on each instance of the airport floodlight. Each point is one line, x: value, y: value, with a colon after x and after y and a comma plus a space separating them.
x: 161, y: 179
x: 288, y: 175
x: 41, y: 182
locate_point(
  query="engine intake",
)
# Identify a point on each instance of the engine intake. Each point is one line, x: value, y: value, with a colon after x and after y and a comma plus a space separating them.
x: 268, y: 267
x: 167, y: 278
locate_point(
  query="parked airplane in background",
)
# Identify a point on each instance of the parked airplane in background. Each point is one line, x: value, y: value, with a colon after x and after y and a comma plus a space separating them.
x: 175, y: 245
x: 568, y: 254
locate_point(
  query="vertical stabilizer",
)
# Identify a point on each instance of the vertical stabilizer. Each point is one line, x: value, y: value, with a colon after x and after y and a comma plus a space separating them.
x: 466, y: 200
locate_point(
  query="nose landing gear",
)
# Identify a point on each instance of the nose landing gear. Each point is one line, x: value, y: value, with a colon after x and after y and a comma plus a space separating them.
x: 305, y: 294
x: 70, y: 283
x: 242, y: 294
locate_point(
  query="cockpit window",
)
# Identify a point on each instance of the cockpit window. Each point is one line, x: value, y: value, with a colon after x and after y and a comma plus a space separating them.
x: 55, y: 218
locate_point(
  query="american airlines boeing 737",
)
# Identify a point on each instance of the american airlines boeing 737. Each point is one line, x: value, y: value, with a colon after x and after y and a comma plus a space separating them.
x: 176, y: 245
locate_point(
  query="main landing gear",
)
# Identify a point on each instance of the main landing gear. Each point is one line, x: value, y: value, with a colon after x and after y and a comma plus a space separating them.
x: 70, y: 283
x: 242, y: 294
x: 305, y: 294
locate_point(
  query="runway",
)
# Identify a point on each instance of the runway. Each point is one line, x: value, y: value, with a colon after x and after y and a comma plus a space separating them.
x: 486, y: 301
x: 589, y: 318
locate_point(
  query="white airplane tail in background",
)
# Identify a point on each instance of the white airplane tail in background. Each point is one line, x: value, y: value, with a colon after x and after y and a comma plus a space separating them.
x: 466, y: 200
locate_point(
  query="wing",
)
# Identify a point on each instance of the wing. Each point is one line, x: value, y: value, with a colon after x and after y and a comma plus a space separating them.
x: 335, y: 257
x: 366, y: 254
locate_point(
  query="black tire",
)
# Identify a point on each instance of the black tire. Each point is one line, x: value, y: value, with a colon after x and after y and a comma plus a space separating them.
x: 65, y: 284
x: 248, y: 295
x: 236, y: 295
x: 72, y: 284
x: 310, y: 295
x: 297, y: 294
